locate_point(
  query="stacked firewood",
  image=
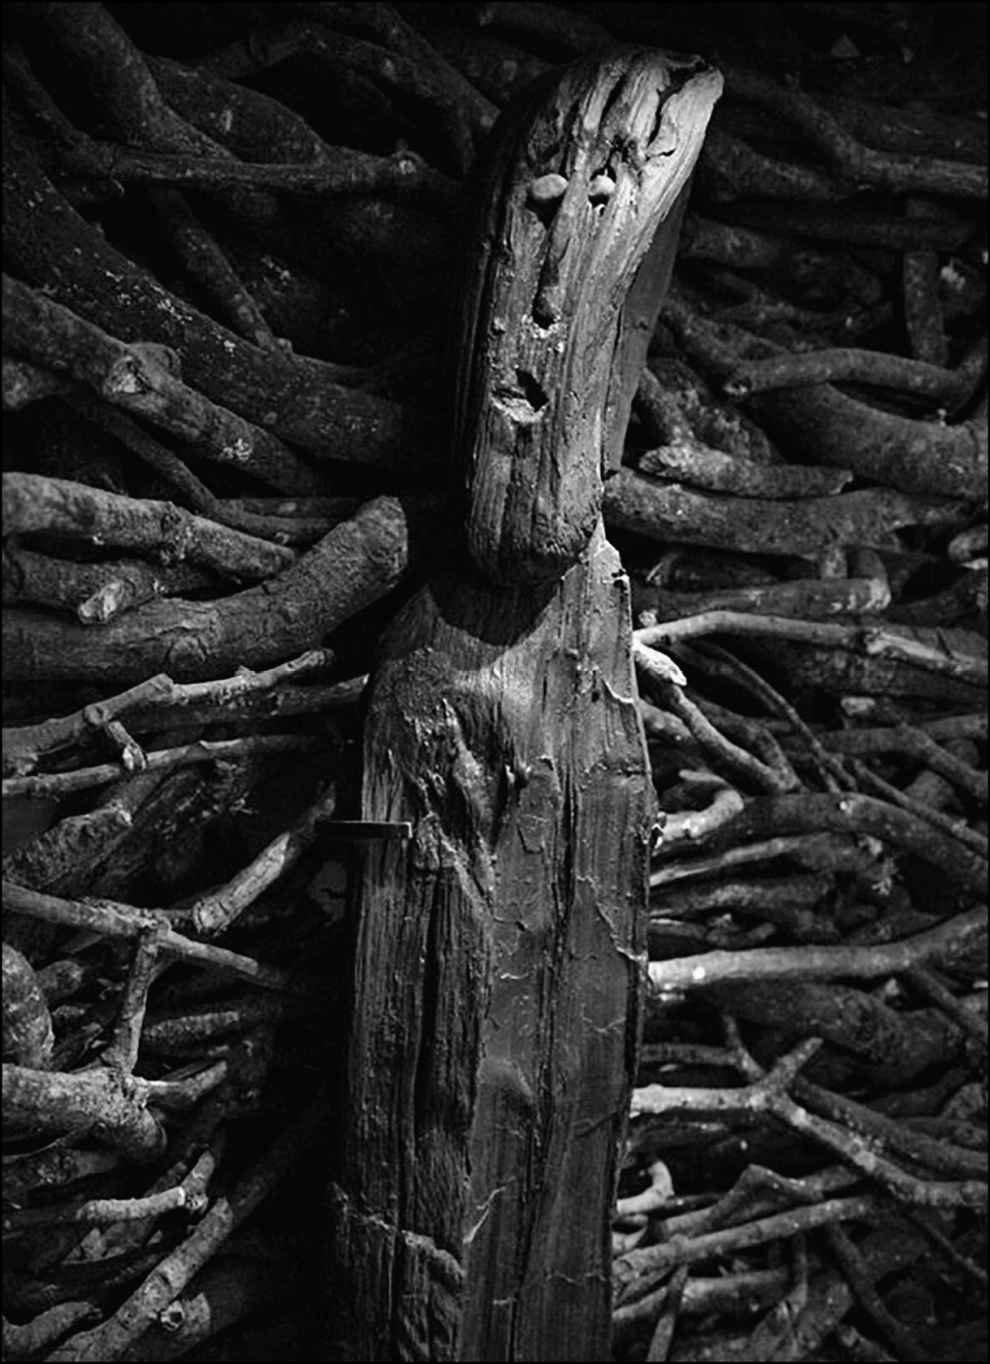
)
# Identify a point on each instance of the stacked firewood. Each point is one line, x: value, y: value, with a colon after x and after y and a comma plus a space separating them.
x: 231, y: 272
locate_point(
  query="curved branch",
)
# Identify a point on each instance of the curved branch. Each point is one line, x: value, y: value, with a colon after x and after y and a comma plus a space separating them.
x: 356, y: 564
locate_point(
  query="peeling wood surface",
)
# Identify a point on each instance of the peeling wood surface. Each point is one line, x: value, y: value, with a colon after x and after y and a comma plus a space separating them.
x: 500, y: 951
x: 497, y: 971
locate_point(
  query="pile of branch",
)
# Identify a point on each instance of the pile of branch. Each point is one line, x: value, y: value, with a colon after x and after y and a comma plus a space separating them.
x: 228, y: 258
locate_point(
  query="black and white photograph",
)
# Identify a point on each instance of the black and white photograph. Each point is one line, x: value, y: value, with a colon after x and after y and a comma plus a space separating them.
x: 495, y: 777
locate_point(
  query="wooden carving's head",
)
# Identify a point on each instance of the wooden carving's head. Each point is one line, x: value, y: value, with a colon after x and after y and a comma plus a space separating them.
x: 583, y: 176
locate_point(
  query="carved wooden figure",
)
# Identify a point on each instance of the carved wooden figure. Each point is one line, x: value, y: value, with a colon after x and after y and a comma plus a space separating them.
x: 500, y: 951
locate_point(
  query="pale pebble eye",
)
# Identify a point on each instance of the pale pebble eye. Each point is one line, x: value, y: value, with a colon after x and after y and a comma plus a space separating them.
x: 547, y: 189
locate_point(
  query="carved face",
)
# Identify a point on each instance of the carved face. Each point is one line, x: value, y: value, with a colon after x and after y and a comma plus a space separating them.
x: 584, y: 175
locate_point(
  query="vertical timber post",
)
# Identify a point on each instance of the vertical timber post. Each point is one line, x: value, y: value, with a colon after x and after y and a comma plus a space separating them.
x: 499, y: 952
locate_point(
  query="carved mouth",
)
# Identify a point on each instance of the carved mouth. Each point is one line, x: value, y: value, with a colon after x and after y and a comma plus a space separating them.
x: 522, y: 401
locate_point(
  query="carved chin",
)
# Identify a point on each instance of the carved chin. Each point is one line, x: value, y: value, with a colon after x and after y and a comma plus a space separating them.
x: 550, y: 545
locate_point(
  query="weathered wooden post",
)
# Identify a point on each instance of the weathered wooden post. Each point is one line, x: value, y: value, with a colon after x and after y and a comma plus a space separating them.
x: 499, y: 951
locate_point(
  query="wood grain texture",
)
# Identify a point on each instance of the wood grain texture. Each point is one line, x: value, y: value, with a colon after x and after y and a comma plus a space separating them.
x: 499, y: 953
x: 497, y: 970
x: 541, y: 337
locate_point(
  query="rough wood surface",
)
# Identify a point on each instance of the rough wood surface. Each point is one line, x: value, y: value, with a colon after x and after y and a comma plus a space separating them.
x: 497, y: 970
x: 355, y: 564
x: 582, y: 175
x: 500, y: 951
